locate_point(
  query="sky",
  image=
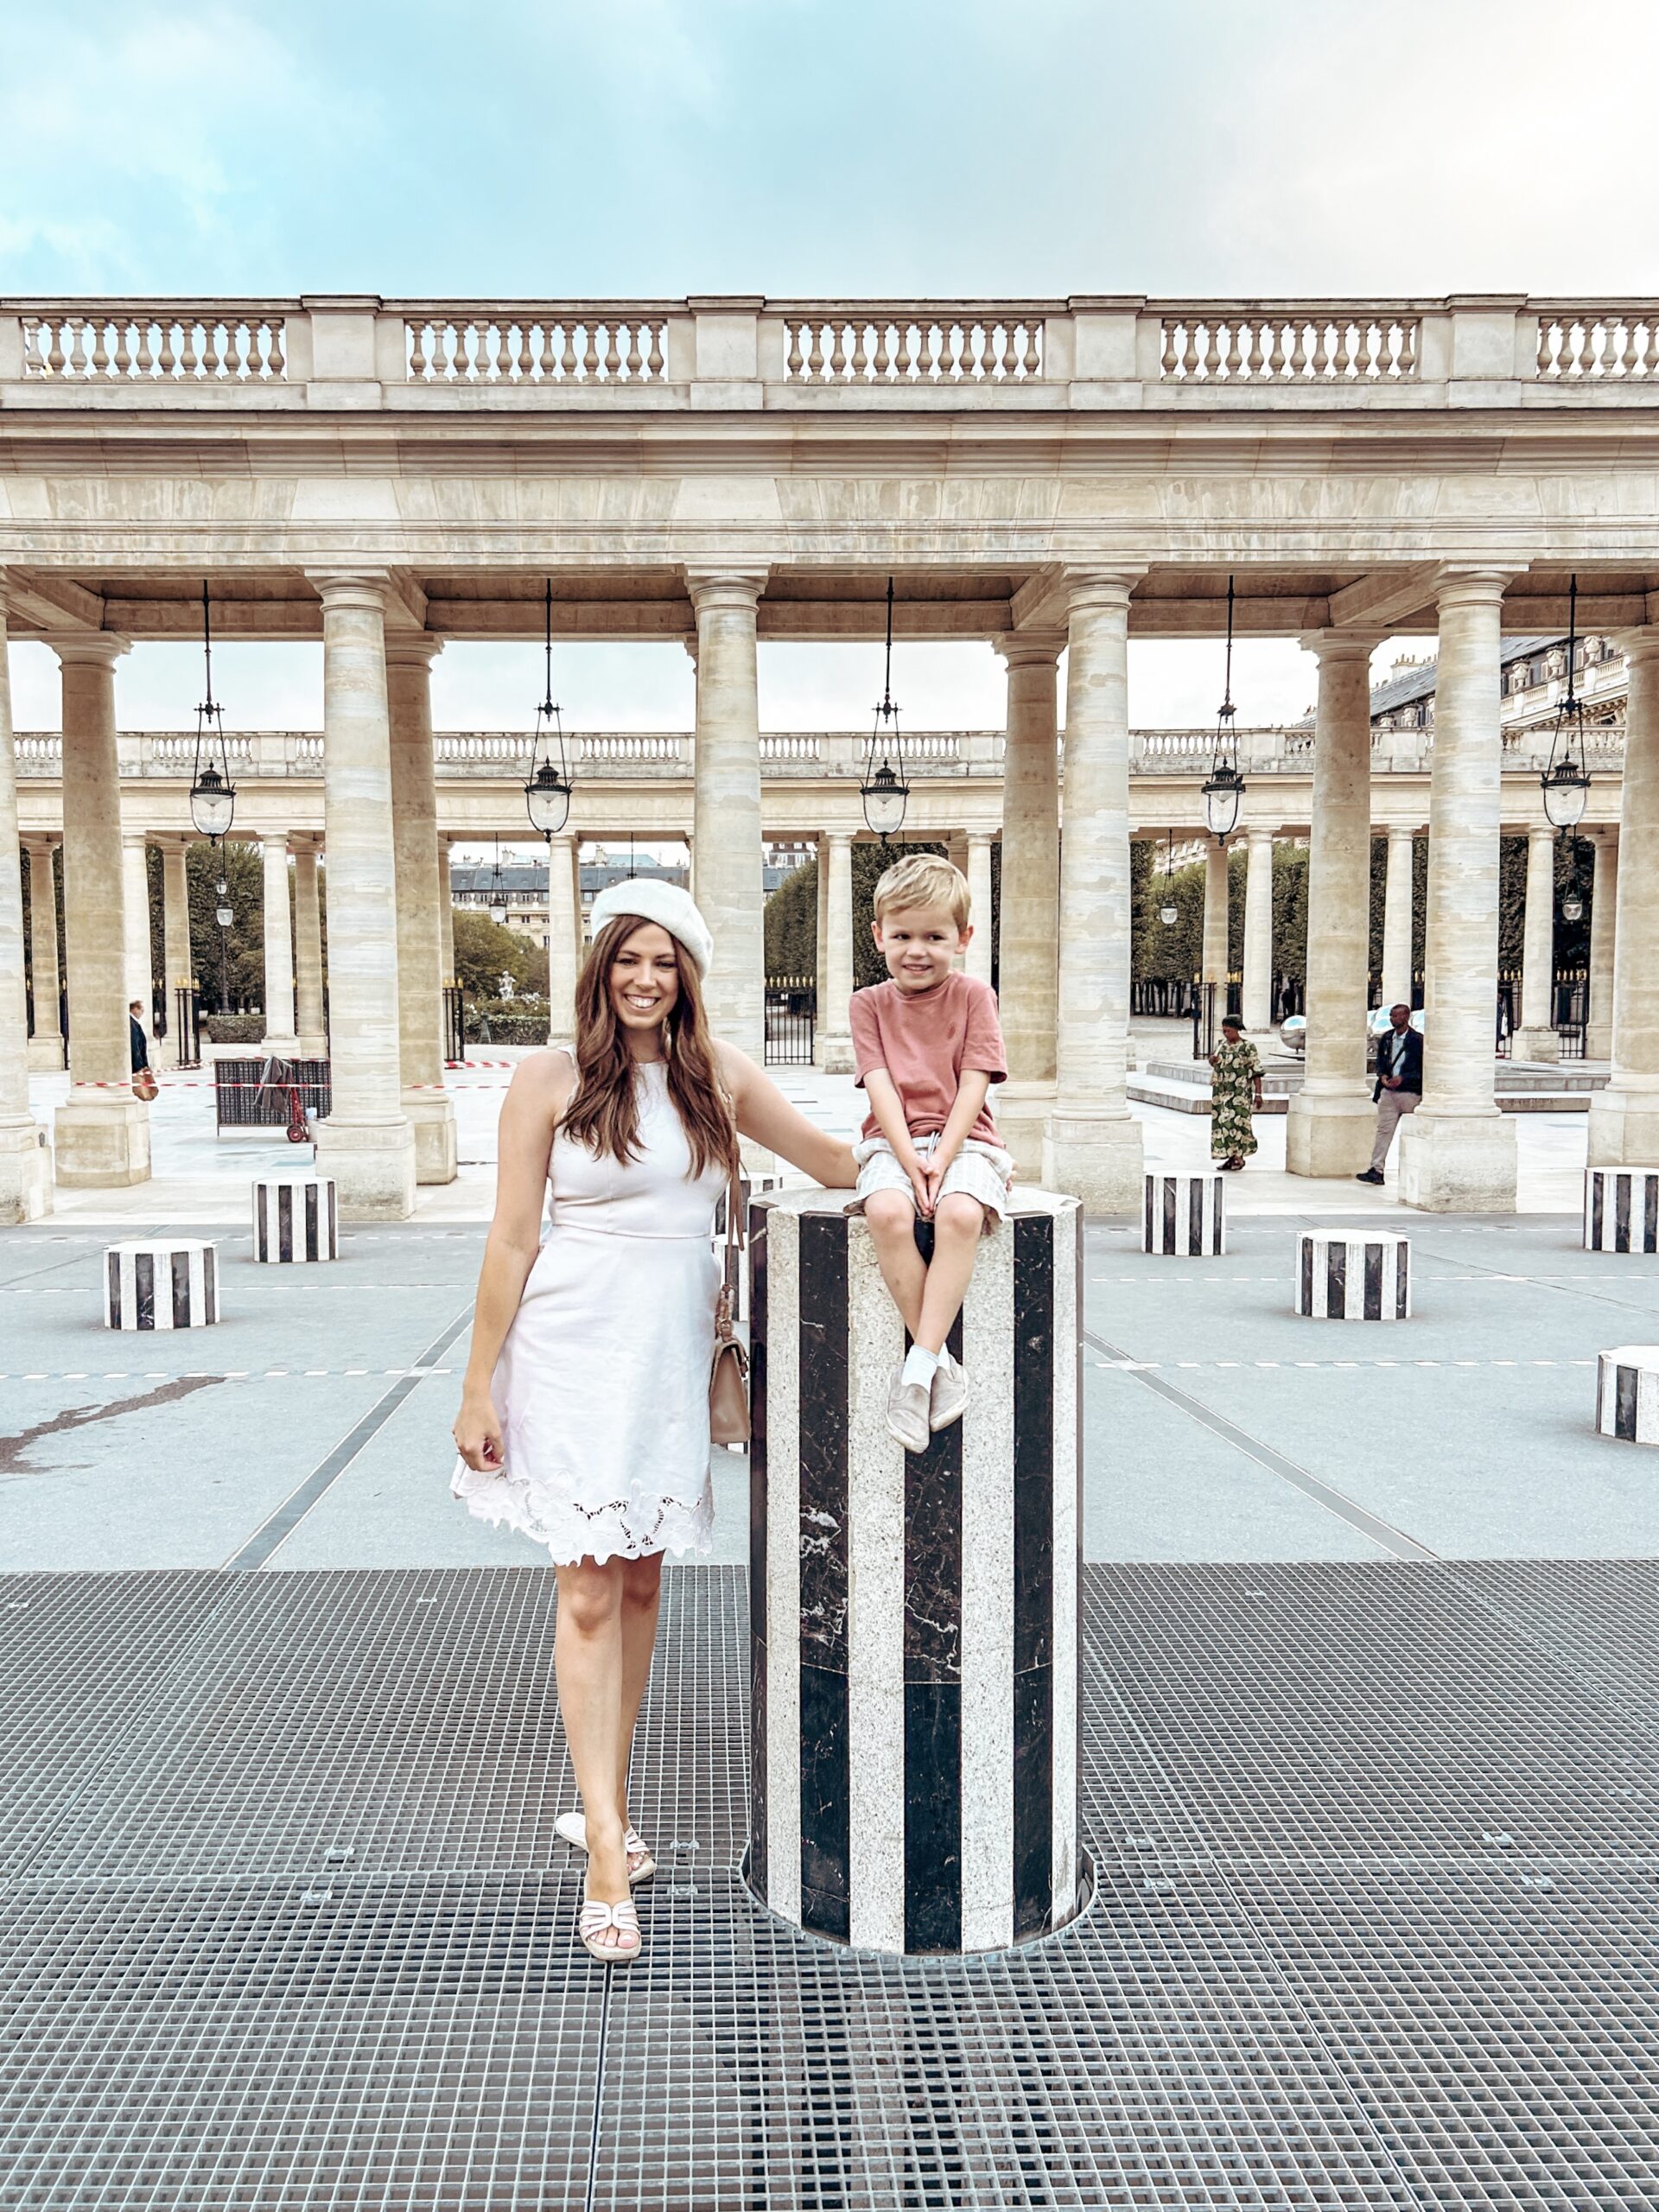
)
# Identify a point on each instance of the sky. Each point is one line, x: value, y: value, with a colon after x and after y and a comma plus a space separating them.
x: 650, y: 148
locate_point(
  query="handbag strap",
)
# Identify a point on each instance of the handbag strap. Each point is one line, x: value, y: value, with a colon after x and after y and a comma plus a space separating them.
x: 734, y: 1199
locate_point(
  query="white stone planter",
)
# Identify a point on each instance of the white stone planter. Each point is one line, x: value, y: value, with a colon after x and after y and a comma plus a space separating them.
x: 914, y: 1725
x: 169, y: 1283
x: 1184, y: 1215
x: 1357, y: 1276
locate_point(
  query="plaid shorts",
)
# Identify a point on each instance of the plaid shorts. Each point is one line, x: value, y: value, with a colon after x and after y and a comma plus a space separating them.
x: 980, y: 1170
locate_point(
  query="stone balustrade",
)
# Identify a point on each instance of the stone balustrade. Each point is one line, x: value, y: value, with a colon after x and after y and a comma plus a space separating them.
x: 361, y: 350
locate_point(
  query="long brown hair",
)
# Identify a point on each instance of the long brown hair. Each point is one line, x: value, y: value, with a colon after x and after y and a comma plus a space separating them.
x: 603, y: 1113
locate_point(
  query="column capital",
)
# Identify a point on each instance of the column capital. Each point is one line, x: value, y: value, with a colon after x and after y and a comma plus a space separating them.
x: 734, y: 586
x: 1640, y: 645
x: 842, y: 836
x: 1341, y: 645
x: 981, y: 837
x: 1087, y: 589
x: 138, y: 838
x: 39, y: 841
x: 1405, y: 831
x: 412, y: 648
x: 87, y: 648
x: 1029, y: 648
x: 1259, y: 833
x: 351, y: 588
x: 1472, y: 586
x: 269, y: 837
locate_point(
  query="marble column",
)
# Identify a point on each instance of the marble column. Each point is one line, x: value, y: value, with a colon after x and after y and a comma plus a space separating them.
x: 1604, y: 900
x: 1257, y: 1007
x: 1092, y: 1148
x: 1399, y: 963
x: 832, y: 1047
x: 312, y: 1030
x: 1214, y: 956
x: 1457, y: 1151
x: 46, y: 1042
x: 1624, y: 1117
x: 1028, y: 956
x: 726, y: 825
x: 563, y: 948
x: 101, y: 1133
x: 427, y: 1105
x: 1331, y: 1121
x: 25, y: 1164
x: 1535, y: 1038
x: 366, y: 1143
x: 280, y: 1039
x: 982, y: 943
x: 136, y: 963
x: 178, y: 970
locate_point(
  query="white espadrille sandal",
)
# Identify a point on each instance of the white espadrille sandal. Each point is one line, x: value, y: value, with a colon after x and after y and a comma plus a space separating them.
x: 597, y: 1917
x: 573, y: 1826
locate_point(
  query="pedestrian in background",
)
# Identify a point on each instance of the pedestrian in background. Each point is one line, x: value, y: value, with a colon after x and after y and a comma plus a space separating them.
x: 1399, y: 1086
x: 1235, y: 1092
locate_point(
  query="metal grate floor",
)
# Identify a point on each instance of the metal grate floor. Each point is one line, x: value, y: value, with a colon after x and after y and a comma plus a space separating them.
x: 283, y: 1921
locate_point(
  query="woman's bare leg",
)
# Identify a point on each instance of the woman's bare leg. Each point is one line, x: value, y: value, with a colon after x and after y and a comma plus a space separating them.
x: 642, y: 1598
x: 587, y: 1662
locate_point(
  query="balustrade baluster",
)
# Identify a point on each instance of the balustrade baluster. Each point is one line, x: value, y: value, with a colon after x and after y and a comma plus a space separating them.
x: 440, y: 353
x: 613, y: 358
x: 210, y: 357
x: 523, y: 360
x: 861, y: 363
x: 1233, y: 357
x: 1299, y: 349
x: 1033, y: 350
x: 904, y: 357
x: 188, y: 362
x: 569, y: 359
x: 815, y: 352
x: 100, y: 366
x: 78, y: 347
x: 590, y: 353
x: 1406, y: 358
x: 123, y: 364
x: 881, y: 361
x: 1321, y: 361
x: 1255, y: 358
x: 1189, y: 356
x: 633, y: 361
x: 416, y: 334
x: 1213, y: 351
x: 1275, y: 360
x: 654, y: 360
x: 837, y: 350
x: 1545, y: 363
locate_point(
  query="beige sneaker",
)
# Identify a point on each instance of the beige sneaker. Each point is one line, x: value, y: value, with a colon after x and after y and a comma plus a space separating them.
x: 907, y: 1411
x: 949, y: 1397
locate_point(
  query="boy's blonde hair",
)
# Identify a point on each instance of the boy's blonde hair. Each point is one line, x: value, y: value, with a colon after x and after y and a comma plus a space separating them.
x: 924, y: 880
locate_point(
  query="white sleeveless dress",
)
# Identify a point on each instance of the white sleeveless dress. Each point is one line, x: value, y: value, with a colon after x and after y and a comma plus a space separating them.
x: 602, y: 1384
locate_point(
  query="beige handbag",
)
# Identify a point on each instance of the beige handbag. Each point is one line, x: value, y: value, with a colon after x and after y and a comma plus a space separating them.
x: 729, y: 1374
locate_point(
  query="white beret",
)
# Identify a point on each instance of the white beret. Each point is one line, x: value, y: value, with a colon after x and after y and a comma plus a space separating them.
x: 653, y: 900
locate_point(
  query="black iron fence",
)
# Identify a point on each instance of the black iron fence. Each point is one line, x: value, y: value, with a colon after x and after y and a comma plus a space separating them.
x: 1165, y: 997
x: 1209, y: 1003
x: 792, y: 1020
x: 269, y: 1093
x: 454, y: 1023
x: 187, y: 1025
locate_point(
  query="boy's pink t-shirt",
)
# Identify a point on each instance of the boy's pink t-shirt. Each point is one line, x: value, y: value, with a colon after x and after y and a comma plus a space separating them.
x: 925, y: 1039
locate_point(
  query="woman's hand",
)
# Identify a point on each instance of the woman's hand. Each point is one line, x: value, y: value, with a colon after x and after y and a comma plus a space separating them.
x: 478, y: 1433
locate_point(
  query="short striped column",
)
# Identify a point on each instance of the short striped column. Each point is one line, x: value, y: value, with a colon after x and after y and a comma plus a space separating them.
x: 1358, y: 1275
x: 167, y: 1284
x: 750, y: 1186
x: 914, y: 1617
x: 1627, y: 1393
x: 1184, y: 1215
x: 295, y: 1218
x: 1621, y: 1210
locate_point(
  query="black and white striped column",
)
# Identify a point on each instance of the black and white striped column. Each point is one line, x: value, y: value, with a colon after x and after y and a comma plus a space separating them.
x: 1184, y: 1215
x: 914, y: 1617
x: 170, y: 1284
x: 750, y: 1186
x: 295, y: 1218
x: 1353, y: 1275
x: 1627, y: 1393
x: 1621, y: 1210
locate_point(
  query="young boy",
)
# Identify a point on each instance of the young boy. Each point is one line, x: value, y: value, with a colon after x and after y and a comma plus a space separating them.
x: 928, y: 1047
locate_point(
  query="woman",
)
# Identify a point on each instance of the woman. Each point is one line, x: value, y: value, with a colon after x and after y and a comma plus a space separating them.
x: 1234, y: 1088
x: 584, y: 1414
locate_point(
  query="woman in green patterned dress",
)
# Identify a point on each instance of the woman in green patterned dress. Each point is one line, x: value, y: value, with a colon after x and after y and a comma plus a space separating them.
x: 1234, y: 1088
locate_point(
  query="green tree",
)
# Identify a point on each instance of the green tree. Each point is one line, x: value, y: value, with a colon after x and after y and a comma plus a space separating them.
x: 792, y: 922
x: 243, y: 873
x: 485, y: 951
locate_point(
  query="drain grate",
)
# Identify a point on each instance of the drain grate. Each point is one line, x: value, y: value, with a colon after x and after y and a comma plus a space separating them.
x: 285, y: 1924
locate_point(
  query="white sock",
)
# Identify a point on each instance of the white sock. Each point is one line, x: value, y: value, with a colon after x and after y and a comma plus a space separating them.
x: 919, y: 1367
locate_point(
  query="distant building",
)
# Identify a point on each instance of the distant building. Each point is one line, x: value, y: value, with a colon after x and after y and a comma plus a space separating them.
x: 1534, y: 677
x: 522, y: 886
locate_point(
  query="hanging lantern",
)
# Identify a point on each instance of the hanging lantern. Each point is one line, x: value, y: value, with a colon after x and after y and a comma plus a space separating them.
x: 1566, y: 782
x: 224, y: 913
x: 213, y: 795
x: 1224, y: 788
x: 883, y: 790
x: 547, y: 788
x: 495, y: 898
x: 1572, y: 907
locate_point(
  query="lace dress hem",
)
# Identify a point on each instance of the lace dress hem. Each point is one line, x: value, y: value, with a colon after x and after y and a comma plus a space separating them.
x: 620, y: 1529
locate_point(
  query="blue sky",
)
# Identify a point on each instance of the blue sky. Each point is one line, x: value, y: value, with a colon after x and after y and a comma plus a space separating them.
x: 652, y: 148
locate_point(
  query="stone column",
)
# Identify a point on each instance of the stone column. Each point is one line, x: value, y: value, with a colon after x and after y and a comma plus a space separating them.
x: 1624, y: 1117
x: 823, y: 949
x: 427, y: 1104
x: 313, y: 1034
x: 102, y: 1132
x: 1028, y: 961
x: 1457, y: 1151
x: 1331, y: 1123
x: 45, y: 1044
x: 832, y: 1038
x: 1398, y: 963
x: 726, y: 824
x: 446, y: 910
x: 178, y: 970
x: 1604, y: 899
x: 279, y: 1037
x: 1092, y: 1148
x: 366, y: 1143
x: 563, y: 948
x: 983, y: 943
x: 1535, y: 1038
x: 1258, y: 932
x: 136, y: 963
x: 25, y: 1164
x: 1215, y: 913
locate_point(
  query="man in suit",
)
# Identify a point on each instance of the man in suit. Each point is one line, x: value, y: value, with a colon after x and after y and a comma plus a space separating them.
x: 1399, y: 1087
